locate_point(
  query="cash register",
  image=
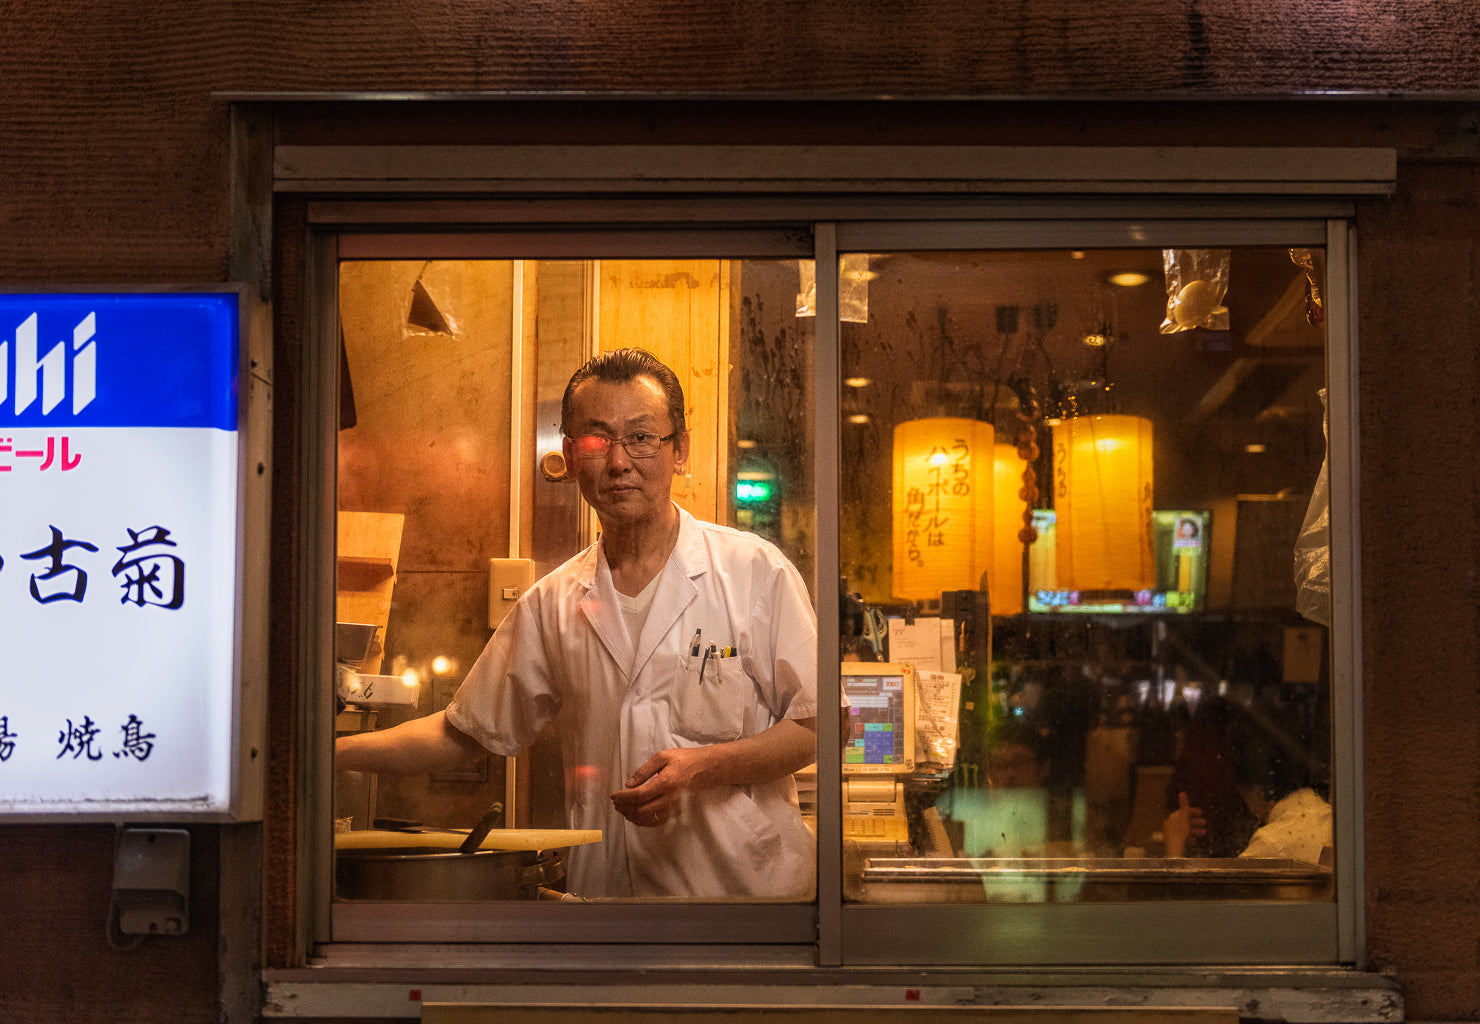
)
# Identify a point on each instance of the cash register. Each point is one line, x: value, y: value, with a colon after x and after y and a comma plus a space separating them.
x: 879, y: 752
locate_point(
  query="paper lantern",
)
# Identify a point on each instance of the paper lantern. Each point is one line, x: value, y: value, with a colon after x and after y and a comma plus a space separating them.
x: 1006, y: 589
x: 943, y: 469
x: 1102, y: 497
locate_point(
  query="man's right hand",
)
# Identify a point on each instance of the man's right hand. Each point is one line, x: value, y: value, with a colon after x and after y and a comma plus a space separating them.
x: 1182, y: 826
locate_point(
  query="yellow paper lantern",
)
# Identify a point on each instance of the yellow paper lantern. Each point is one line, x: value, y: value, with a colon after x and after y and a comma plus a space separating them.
x: 943, y: 469
x: 1102, y: 497
x: 1006, y: 589
x: 1043, y: 569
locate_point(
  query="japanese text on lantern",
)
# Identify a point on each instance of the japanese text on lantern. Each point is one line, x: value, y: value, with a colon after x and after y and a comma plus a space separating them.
x: 947, y: 478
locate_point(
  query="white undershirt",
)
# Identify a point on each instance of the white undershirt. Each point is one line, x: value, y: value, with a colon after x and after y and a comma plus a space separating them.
x: 635, y: 608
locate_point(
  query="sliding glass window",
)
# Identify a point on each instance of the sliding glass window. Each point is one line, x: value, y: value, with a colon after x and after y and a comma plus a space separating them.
x: 1060, y: 490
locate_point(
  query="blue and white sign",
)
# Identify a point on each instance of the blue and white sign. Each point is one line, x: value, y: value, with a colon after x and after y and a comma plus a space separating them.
x: 121, y: 541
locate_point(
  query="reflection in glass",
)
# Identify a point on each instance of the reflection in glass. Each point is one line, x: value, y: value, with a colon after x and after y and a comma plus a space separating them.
x: 441, y: 361
x: 1122, y: 697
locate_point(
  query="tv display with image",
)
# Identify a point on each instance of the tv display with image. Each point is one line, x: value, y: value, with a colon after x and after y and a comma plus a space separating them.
x: 1180, y: 541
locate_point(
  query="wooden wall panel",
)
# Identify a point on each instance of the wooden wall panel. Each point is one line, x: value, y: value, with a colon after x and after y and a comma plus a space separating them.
x: 115, y: 152
x: 59, y: 965
x: 1421, y: 596
x: 679, y: 311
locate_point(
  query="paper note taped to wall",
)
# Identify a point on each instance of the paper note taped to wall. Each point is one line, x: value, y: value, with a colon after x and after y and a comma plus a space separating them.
x: 927, y: 644
x: 937, y: 700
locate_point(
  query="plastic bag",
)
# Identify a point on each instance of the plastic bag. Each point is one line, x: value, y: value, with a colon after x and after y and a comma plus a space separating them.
x: 1196, y: 282
x: 1313, y: 550
x: 425, y: 316
x: 1314, y: 265
x: 853, y: 278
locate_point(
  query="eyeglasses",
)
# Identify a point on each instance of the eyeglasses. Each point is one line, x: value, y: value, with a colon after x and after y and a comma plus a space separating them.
x: 640, y: 445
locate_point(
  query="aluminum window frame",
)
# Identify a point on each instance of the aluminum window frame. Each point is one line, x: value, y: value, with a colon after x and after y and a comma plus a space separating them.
x: 1163, y: 932
x: 838, y: 934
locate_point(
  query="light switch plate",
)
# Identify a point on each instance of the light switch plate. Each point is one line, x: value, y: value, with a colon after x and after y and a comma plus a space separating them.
x: 508, y: 579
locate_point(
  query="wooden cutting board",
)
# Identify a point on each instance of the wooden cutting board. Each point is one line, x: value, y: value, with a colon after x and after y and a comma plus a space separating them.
x: 498, y: 839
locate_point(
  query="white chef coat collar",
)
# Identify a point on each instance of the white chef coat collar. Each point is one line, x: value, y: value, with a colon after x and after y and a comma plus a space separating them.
x: 688, y: 559
x: 689, y: 552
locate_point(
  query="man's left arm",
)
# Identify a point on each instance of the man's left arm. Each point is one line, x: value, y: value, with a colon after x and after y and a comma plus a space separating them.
x: 655, y: 789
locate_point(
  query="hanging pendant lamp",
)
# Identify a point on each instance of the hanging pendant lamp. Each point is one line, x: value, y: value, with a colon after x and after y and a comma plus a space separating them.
x: 1102, y: 498
x: 943, y: 470
x: 1006, y: 589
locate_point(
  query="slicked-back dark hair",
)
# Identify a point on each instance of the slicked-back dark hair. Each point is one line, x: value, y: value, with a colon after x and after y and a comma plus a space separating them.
x: 619, y: 366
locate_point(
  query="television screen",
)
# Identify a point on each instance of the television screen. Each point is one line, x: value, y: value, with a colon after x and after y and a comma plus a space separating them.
x: 1180, y: 543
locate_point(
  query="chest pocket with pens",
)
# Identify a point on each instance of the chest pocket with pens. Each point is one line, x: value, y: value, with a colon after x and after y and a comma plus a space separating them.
x: 714, y: 698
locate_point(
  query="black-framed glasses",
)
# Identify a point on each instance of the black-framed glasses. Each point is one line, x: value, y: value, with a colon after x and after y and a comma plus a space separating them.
x: 641, y: 445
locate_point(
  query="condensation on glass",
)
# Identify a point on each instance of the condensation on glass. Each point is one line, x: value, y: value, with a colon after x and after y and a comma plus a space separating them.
x: 1080, y: 522
x: 439, y: 359
x: 1077, y: 490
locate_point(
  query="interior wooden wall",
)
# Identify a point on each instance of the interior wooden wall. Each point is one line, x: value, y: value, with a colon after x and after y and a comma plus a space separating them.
x: 430, y: 442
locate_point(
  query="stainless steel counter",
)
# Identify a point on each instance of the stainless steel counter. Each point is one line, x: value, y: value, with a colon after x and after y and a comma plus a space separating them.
x: 1088, y: 879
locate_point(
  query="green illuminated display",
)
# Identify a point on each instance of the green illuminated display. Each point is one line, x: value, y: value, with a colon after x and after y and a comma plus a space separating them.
x: 752, y: 492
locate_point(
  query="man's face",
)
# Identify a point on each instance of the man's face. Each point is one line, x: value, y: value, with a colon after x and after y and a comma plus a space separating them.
x: 623, y: 489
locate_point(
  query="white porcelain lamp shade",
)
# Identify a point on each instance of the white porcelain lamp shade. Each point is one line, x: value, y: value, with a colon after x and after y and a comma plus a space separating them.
x: 942, y: 501
x: 1102, y: 500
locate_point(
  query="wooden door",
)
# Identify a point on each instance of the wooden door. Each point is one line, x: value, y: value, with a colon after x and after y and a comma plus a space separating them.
x: 679, y: 311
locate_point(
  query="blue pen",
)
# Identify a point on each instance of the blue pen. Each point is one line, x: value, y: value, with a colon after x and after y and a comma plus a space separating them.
x: 705, y: 663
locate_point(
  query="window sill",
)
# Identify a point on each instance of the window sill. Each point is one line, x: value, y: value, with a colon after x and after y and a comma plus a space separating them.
x: 389, y: 982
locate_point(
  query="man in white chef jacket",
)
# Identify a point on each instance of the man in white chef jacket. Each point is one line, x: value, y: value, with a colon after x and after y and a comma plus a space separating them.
x: 684, y: 656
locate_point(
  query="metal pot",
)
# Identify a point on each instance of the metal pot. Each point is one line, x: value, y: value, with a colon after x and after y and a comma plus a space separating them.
x: 433, y: 875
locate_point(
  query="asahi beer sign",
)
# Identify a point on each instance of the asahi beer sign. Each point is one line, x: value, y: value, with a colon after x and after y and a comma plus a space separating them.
x: 120, y: 481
